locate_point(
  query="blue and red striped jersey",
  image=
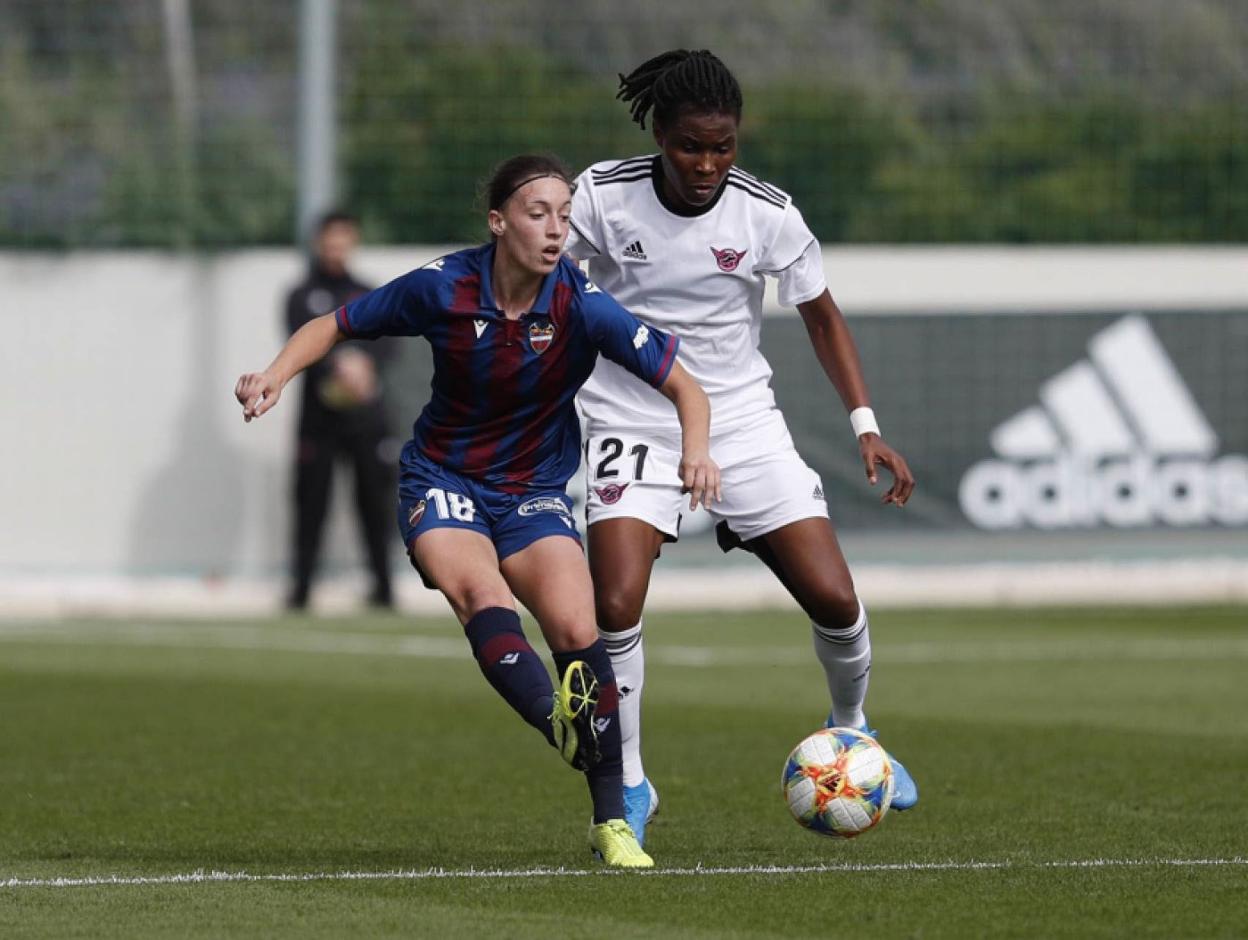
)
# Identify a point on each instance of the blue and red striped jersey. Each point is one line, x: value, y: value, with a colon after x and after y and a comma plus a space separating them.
x: 502, y: 409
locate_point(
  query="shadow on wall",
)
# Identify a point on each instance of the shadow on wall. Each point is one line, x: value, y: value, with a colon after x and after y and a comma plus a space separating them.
x: 190, y: 517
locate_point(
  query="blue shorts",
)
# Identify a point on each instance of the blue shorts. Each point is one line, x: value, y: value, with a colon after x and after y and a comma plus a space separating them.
x: 432, y: 497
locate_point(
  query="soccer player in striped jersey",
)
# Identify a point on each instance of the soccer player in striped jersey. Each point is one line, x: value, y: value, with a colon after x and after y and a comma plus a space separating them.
x: 685, y: 238
x: 516, y: 329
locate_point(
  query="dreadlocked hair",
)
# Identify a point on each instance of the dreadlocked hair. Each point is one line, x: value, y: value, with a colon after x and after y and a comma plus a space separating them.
x: 680, y: 79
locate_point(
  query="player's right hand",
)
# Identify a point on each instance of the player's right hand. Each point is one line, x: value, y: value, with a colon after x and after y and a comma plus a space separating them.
x: 257, y: 392
x: 699, y: 477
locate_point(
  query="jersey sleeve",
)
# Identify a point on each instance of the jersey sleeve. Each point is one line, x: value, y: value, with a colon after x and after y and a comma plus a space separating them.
x: 795, y: 259
x: 643, y: 350
x: 804, y: 279
x: 401, y: 308
x: 585, y: 237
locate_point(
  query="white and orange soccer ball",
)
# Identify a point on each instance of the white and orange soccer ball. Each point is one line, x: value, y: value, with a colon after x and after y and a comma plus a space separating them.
x: 838, y: 782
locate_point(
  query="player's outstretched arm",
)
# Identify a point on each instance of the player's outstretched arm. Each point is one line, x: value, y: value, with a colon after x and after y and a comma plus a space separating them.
x: 698, y: 472
x: 257, y: 392
x: 835, y: 349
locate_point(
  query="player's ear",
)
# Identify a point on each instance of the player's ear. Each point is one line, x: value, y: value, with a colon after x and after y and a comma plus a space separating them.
x: 657, y: 130
x: 497, y: 225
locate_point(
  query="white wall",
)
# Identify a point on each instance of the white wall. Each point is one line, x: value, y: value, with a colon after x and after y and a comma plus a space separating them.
x: 122, y: 450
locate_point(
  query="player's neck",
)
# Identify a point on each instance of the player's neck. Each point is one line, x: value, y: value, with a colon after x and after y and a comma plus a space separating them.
x: 515, y: 289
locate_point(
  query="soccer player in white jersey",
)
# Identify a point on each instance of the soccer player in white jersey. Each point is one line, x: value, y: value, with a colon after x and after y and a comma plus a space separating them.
x: 684, y: 239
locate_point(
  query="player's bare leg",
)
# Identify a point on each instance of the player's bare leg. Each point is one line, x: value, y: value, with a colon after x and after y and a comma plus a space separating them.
x: 621, y: 557
x: 806, y: 556
x: 464, y: 567
x: 550, y: 579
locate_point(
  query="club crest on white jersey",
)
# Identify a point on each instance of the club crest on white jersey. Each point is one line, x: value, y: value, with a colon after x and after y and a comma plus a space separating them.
x: 728, y: 259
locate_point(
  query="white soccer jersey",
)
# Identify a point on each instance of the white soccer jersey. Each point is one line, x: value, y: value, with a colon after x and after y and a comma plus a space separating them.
x: 699, y: 276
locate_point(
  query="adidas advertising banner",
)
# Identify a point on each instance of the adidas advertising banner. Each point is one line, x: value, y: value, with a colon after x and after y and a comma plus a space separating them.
x: 1057, y: 422
x: 1117, y: 439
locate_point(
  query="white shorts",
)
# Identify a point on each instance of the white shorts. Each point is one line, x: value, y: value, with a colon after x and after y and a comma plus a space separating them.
x: 766, y: 484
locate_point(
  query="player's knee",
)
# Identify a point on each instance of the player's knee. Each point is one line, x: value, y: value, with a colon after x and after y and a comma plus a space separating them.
x: 468, y: 600
x: 563, y: 637
x: 617, y: 609
x: 835, y: 606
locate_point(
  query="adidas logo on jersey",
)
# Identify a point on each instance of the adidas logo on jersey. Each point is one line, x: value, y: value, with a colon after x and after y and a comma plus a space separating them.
x: 635, y: 252
x: 1117, y: 439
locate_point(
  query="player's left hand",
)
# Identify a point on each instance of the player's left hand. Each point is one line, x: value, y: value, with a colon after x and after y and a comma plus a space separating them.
x: 699, y: 477
x: 874, y: 453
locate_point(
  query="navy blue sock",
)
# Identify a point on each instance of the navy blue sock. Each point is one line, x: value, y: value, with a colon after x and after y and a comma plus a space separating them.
x: 512, y: 666
x: 606, y: 778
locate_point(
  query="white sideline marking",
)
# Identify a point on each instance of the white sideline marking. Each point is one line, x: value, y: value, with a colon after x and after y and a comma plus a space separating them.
x: 433, y: 874
x: 202, y: 636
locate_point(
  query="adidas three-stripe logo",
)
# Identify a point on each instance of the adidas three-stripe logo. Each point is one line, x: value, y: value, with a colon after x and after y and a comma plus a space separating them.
x: 753, y: 186
x: 1117, y: 439
x: 626, y: 171
x: 635, y: 251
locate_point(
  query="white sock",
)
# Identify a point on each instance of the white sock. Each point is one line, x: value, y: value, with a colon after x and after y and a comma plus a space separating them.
x: 628, y: 660
x: 846, y: 658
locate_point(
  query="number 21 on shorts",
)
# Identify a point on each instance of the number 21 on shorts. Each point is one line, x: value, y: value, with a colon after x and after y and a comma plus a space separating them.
x: 614, y: 456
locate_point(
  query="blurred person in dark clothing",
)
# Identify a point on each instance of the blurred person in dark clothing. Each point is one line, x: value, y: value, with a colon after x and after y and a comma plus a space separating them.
x: 343, y: 415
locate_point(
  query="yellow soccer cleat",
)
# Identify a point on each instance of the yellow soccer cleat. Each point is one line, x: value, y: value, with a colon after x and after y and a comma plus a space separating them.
x: 572, y: 718
x: 614, y: 843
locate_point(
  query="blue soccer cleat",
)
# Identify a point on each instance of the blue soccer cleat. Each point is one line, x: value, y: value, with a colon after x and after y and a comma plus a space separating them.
x: 640, y: 804
x: 905, y: 790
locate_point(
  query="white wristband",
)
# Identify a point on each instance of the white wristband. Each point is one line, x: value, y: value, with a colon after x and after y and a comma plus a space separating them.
x: 863, y: 421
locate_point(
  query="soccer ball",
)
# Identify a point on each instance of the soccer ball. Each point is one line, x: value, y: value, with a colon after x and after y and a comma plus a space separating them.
x: 838, y: 782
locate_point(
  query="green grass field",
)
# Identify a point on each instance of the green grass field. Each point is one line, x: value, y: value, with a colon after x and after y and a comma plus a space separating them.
x: 1082, y: 774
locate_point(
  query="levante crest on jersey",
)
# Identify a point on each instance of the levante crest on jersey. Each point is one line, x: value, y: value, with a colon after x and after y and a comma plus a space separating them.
x: 728, y: 258
x: 541, y: 335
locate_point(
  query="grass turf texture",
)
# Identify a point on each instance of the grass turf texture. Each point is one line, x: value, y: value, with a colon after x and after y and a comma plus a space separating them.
x: 1039, y: 738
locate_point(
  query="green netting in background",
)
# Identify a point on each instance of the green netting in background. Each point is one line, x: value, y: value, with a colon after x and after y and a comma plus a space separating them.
x: 899, y: 121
